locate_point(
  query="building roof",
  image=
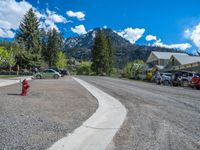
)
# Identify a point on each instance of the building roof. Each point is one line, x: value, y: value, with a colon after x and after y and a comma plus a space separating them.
x: 186, y: 59
x: 162, y: 55
x: 167, y: 55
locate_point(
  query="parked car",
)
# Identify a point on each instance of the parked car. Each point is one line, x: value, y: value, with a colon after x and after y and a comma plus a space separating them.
x: 196, y: 81
x: 182, y: 78
x: 49, y: 73
x: 166, y: 79
x: 61, y: 71
x: 163, y: 78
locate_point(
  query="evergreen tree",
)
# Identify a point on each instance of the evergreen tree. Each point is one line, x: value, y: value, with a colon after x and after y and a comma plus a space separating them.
x: 28, y: 36
x: 54, y: 45
x: 44, y: 44
x: 110, y: 55
x: 98, y: 52
x: 102, y: 54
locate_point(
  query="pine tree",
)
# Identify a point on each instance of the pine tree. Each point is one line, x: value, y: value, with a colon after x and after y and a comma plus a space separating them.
x: 110, y: 55
x: 28, y: 36
x: 54, y: 45
x: 44, y: 44
x: 101, y: 55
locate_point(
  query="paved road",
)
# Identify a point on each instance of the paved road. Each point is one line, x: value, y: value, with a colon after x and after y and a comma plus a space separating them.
x: 159, y: 117
x: 52, y: 109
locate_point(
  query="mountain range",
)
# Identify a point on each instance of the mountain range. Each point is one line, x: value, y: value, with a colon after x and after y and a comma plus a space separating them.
x: 80, y: 48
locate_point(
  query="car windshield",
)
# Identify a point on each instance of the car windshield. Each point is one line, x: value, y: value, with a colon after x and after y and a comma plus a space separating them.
x: 48, y: 71
x: 197, y: 74
x: 166, y: 74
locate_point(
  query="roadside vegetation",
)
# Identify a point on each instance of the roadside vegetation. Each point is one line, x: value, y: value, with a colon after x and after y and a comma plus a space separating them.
x: 134, y: 69
x: 84, y: 68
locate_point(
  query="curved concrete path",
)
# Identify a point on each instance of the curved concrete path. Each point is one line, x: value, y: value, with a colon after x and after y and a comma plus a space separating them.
x: 98, y: 131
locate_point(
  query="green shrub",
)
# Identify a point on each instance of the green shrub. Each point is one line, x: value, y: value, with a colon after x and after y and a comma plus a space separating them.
x: 84, y: 68
x: 133, y: 69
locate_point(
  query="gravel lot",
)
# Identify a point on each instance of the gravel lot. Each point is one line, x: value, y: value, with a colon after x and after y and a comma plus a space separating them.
x: 52, y: 109
x: 159, y: 117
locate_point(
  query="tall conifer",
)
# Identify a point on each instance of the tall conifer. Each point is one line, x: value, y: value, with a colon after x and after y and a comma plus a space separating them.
x: 102, y: 54
x: 28, y: 36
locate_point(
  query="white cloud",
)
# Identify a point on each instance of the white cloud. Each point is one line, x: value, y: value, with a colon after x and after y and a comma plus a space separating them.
x: 11, y: 14
x: 39, y: 15
x: 132, y: 34
x: 79, y: 15
x: 187, y: 33
x: 6, y: 33
x: 105, y: 27
x: 151, y: 38
x: 194, y: 35
x: 49, y: 25
x: 49, y: 20
x: 79, y: 29
x: 182, y: 46
x: 51, y: 15
x: 159, y: 43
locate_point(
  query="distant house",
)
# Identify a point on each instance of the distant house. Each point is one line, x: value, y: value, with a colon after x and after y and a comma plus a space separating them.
x: 177, y: 62
x: 167, y: 61
x: 161, y: 59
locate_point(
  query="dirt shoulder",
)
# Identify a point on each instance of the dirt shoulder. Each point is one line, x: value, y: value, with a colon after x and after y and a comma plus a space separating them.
x: 52, y: 109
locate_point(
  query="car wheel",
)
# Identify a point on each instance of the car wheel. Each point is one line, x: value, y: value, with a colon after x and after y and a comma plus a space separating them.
x: 56, y: 76
x: 166, y: 83
x: 38, y: 77
x: 198, y: 87
x: 157, y: 82
x: 184, y: 83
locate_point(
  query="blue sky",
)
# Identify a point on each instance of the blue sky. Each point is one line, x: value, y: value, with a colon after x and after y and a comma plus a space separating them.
x: 169, y: 23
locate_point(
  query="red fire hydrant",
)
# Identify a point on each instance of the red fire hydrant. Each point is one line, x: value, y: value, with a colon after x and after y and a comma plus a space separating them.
x: 25, y: 87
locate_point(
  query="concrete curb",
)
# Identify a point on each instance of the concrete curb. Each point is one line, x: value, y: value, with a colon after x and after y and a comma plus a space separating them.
x: 98, y: 131
x: 13, y: 81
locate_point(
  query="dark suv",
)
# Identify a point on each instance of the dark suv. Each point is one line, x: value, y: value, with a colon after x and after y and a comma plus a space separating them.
x: 182, y: 78
x: 61, y: 71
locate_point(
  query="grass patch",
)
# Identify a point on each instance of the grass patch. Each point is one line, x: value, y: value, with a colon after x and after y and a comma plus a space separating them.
x: 7, y: 76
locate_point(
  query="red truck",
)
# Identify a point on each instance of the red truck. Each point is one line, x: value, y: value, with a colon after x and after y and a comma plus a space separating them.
x: 196, y: 81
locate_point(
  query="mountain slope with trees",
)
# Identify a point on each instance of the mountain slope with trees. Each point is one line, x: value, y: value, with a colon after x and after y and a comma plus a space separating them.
x: 80, y: 48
